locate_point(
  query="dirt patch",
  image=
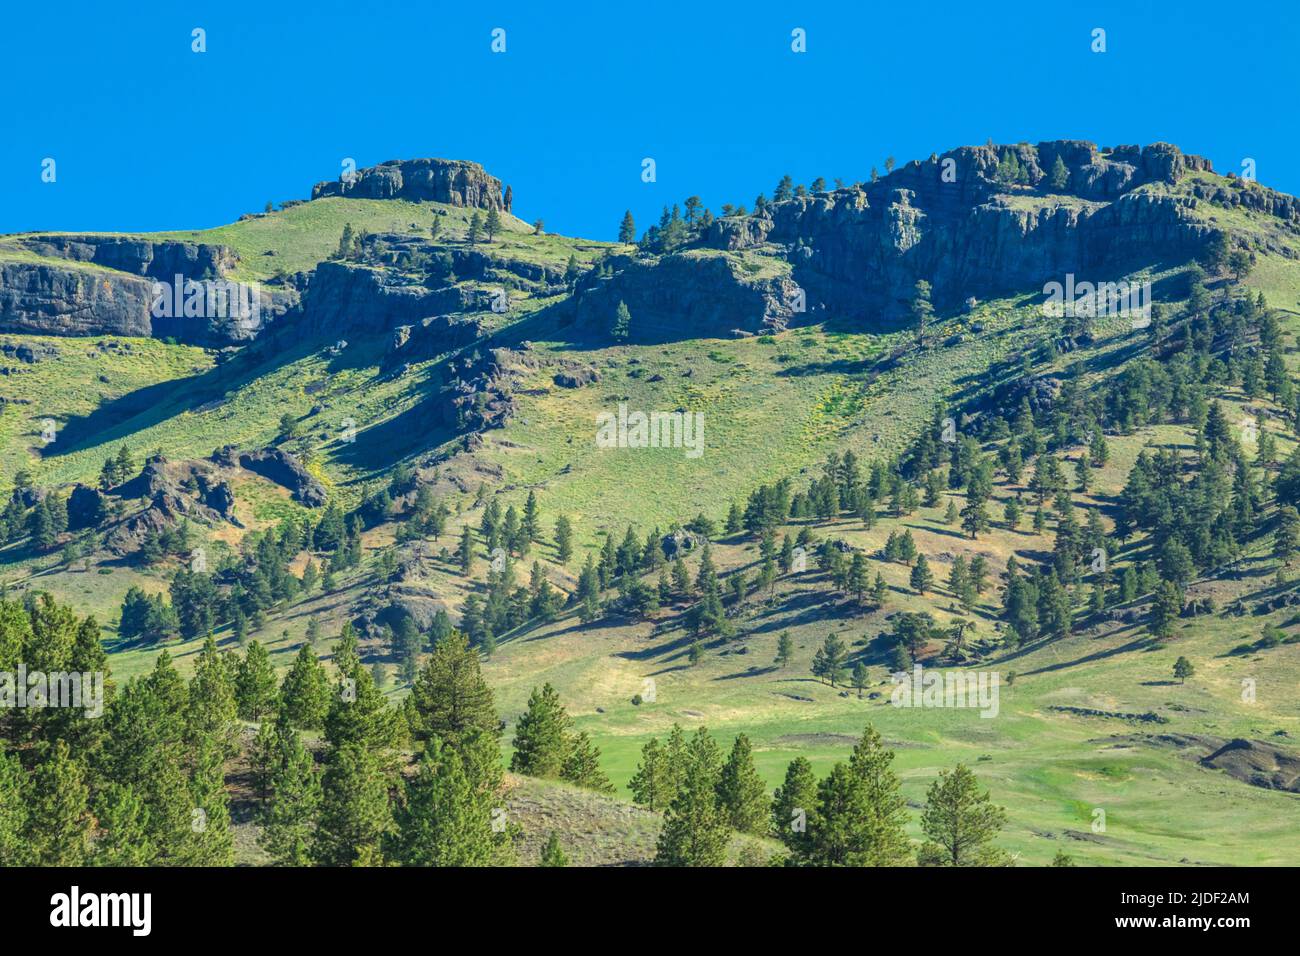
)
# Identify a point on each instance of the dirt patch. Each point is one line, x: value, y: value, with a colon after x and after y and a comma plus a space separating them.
x: 1256, y: 762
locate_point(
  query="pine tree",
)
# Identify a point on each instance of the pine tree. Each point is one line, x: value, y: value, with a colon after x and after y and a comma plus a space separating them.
x: 475, y: 231
x: 879, y: 591
x: 784, y: 649
x: 742, y: 796
x: 1183, y: 669
x: 124, y: 833
x: 442, y: 818
x: 304, y: 695
x: 861, y: 812
x: 922, y: 310
x: 563, y: 540
x: 859, y: 678
x: 794, y: 807
x: 622, y: 323
x: 211, y: 712
x: 627, y: 229
x: 466, y: 551
x: 450, y: 698
x: 695, y: 832
x: 922, y: 579
x: 355, y: 817
x: 288, y: 824
x: 255, y: 687
x: 828, y: 663
x: 210, y: 842
x: 492, y: 224
x: 653, y: 786
x: 58, y: 815
x: 15, y: 849
x: 553, y: 852
x: 960, y: 823
x: 1166, y: 607
x: 1059, y: 177
x: 541, y: 741
x: 582, y: 765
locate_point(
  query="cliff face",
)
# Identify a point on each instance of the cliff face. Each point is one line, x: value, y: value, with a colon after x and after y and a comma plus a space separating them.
x: 343, y: 298
x: 859, y: 251
x: 49, y: 298
x: 142, y: 257
x: 455, y: 182
x: 684, y: 296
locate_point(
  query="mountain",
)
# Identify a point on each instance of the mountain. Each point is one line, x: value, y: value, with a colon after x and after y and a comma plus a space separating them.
x: 858, y: 362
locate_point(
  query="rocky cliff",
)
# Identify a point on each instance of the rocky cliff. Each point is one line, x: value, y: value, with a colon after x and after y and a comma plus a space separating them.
x: 105, y: 285
x: 684, y: 296
x: 455, y: 182
x: 956, y: 221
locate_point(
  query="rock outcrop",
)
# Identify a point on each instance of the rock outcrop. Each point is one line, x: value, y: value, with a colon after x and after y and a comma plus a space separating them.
x: 172, y: 491
x: 952, y: 220
x: 456, y: 182
x: 277, y: 465
x: 685, y: 295
x: 116, y: 285
x: 154, y: 259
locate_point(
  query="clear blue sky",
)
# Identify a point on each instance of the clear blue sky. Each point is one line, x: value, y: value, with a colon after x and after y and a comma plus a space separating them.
x: 148, y: 135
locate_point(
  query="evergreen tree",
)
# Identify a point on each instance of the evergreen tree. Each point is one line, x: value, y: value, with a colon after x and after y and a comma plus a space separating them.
x: 255, y: 687
x: 582, y: 765
x: 58, y: 816
x: 124, y: 829
x: 553, y: 852
x: 653, y: 786
x: 960, y: 823
x: 211, y: 711
x: 828, y: 663
x: 922, y: 579
x: 541, y: 741
x: 442, y: 819
x: 695, y: 832
x: 492, y: 224
x: 563, y: 540
x: 627, y: 229
x: 784, y: 649
x: 355, y: 817
x: 742, y: 796
x: 14, y: 847
x: 304, y: 695
x: 450, y: 698
x: 288, y: 825
x: 622, y: 323
x: 922, y: 310
x: 1166, y: 607
x: 1059, y: 177
x: 794, y: 807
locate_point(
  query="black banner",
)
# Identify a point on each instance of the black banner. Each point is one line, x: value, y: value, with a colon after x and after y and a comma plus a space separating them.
x: 340, y: 905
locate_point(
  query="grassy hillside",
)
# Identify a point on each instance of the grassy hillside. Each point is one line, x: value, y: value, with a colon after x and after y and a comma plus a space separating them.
x: 1091, y: 722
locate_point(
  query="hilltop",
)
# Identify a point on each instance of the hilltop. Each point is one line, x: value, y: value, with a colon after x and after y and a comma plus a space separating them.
x: 412, y: 380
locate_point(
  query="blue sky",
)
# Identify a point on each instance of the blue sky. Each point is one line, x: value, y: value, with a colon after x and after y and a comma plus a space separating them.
x: 149, y: 135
